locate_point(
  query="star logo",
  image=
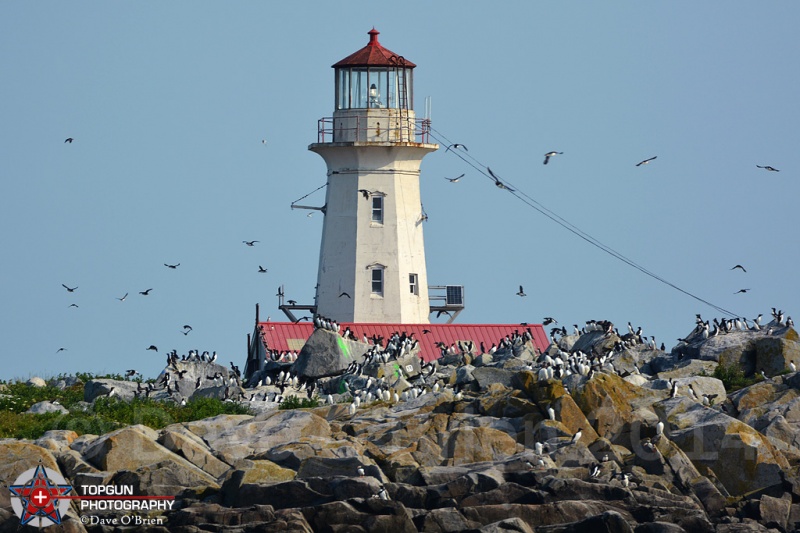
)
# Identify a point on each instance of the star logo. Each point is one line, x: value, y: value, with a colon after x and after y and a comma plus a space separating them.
x: 42, y: 494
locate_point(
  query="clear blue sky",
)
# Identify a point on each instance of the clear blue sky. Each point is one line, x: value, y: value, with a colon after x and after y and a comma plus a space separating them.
x: 168, y: 103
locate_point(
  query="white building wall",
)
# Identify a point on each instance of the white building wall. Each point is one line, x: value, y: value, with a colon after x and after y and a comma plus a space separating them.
x: 352, y: 242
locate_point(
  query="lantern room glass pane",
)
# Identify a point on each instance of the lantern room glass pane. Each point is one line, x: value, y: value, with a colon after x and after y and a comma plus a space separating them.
x: 373, y: 87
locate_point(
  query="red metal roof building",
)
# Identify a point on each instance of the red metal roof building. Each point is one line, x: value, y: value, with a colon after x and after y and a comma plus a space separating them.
x: 282, y: 336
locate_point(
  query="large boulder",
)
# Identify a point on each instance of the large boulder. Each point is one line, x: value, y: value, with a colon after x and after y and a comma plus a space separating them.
x: 471, y: 445
x: 134, y: 449
x: 264, y: 431
x: 742, y: 459
x: 97, y: 388
x: 773, y: 354
x: 183, y: 442
x: 615, y: 408
x: 326, y: 353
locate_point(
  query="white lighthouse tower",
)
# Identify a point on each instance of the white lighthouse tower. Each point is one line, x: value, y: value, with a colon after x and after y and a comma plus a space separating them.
x: 372, y: 256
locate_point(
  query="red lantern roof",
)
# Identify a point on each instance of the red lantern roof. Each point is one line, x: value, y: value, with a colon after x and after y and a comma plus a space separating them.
x: 374, y: 55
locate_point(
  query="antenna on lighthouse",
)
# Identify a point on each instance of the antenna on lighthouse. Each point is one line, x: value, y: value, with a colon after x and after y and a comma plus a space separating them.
x: 428, y: 105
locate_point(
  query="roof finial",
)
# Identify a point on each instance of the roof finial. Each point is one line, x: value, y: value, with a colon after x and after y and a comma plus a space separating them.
x: 373, y: 37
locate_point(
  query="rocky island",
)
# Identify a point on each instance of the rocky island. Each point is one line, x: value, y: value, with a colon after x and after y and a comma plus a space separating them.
x: 600, y: 432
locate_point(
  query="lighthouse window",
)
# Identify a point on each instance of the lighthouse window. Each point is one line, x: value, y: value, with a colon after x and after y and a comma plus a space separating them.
x: 413, y: 282
x: 377, y: 209
x: 377, y: 281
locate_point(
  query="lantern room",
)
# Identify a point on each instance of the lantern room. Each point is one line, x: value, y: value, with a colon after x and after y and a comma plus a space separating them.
x: 374, y: 78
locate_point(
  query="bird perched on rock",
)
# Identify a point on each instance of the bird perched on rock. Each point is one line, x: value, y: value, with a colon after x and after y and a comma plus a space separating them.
x: 660, y: 428
x: 576, y: 437
x: 361, y: 471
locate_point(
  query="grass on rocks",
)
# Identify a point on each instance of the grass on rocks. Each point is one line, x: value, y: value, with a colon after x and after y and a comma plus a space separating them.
x: 106, y: 414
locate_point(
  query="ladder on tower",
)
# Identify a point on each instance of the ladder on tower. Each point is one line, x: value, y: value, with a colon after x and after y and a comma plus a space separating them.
x: 406, y: 131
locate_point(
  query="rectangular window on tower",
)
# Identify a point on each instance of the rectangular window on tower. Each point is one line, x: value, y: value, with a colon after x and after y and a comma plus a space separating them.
x: 377, y: 210
x: 413, y: 282
x: 377, y: 281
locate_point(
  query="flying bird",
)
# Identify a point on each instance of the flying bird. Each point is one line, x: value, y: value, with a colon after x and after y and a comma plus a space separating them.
x: 365, y: 193
x: 123, y: 298
x: 440, y: 313
x: 548, y: 155
x: 69, y: 140
x: 262, y: 270
x: 145, y: 293
x: 767, y: 167
x: 311, y: 214
x: 152, y: 347
x: 549, y: 320
x: 61, y: 350
x: 645, y: 161
x: 521, y: 292
x: 68, y: 288
x: 250, y: 243
x: 455, y: 180
x: 739, y: 266
x: 344, y: 294
x: 741, y: 290
x: 497, y: 181
x: 187, y: 326
x: 172, y: 266
x: 291, y: 302
x: 456, y: 145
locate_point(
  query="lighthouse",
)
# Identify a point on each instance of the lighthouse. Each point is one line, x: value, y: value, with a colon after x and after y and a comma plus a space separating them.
x: 372, y: 254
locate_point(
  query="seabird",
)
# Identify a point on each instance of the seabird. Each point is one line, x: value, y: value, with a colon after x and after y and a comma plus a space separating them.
x: 361, y: 471
x: 739, y: 266
x: 645, y: 161
x: 792, y: 366
x: 73, y: 305
x: 741, y: 290
x: 454, y: 180
x: 365, y: 193
x: 152, y: 347
x: 145, y: 293
x: 61, y: 350
x: 626, y: 480
x: 173, y: 267
x: 549, y: 320
x: 497, y: 181
x: 123, y: 298
x: 344, y: 294
x: 594, y: 470
x: 767, y: 167
x: 521, y: 292
x: 660, y: 428
x: 69, y: 140
x: 262, y: 270
x: 383, y: 494
x: 548, y: 155
x: 250, y: 243
x: 674, y: 392
x: 576, y: 437
x: 551, y: 413
x: 456, y: 145
x: 68, y: 288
